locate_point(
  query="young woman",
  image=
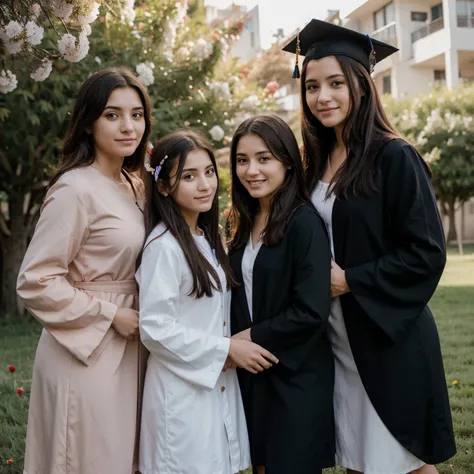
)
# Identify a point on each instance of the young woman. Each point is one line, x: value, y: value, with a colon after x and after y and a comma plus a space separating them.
x: 373, y: 190
x: 193, y: 420
x: 280, y: 255
x: 77, y: 279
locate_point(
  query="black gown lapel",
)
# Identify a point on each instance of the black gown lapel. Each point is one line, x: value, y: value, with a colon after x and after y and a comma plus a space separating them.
x: 238, y: 256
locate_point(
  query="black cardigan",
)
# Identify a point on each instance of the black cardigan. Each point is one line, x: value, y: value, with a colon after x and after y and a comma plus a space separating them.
x: 289, y: 407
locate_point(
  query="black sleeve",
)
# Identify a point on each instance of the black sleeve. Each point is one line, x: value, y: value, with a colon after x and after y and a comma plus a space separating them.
x: 394, y: 289
x: 311, y: 286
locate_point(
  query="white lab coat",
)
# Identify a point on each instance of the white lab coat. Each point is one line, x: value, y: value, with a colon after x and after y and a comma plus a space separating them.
x: 192, y: 420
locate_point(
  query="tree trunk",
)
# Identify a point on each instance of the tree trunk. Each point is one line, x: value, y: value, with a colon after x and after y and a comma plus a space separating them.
x: 452, y: 233
x: 14, y: 248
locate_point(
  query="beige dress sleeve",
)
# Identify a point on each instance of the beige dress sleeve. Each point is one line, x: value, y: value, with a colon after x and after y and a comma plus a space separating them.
x: 75, y: 319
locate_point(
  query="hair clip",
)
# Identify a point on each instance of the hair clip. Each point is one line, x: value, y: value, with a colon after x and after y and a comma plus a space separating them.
x: 158, y: 168
x: 147, y: 165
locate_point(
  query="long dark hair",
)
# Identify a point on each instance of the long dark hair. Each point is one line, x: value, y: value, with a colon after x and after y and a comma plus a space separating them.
x: 282, y: 143
x: 365, y: 131
x: 78, y: 148
x: 160, y: 208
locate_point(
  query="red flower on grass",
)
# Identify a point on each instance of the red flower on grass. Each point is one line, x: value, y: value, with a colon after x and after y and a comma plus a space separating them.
x: 12, y: 368
x: 9, y: 461
x: 20, y: 391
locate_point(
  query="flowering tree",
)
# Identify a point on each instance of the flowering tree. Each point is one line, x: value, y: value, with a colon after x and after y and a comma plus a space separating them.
x: 23, y: 36
x: 441, y: 125
x: 190, y: 78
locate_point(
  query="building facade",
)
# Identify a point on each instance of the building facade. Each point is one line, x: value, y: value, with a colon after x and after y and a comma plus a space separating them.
x: 248, y: 45
x: 435, y: 40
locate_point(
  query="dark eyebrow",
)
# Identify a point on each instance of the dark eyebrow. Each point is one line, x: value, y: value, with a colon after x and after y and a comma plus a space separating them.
x: 264, y: 152
x: 113, y: 107
x: 332, y: 76
x: 195, y: 169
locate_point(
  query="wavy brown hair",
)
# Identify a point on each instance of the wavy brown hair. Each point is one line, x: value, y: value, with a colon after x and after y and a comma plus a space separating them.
x: 78, y: 149
x: 365, y: 131
x: 282, y: 144
x: 159, y: 208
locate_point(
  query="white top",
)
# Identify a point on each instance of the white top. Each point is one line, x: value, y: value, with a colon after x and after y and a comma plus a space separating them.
x: 192, y: 418
x: 363, y: 442
x: 248, y: 261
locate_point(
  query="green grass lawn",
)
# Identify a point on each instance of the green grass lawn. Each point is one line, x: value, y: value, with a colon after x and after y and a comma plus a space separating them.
x: 452, y: 305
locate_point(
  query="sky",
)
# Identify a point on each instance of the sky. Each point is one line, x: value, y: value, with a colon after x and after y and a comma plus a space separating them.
x: 286, y: 14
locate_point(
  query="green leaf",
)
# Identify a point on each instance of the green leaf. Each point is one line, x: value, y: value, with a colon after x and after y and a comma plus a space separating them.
x: 4, y: 114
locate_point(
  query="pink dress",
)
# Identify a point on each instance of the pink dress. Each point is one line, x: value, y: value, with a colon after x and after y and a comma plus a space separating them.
x: 78, y: 269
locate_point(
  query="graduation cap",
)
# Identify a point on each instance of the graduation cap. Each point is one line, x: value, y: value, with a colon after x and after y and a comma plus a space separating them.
x: 319, y: 39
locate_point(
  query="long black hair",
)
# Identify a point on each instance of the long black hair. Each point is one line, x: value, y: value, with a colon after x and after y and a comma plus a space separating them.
x: 365, y: 131
x: 282, y: 143
x: 159, y: 208
x: 78, y: 149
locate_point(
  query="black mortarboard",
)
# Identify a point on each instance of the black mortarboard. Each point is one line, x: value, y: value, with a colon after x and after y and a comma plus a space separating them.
x: 319, y: 39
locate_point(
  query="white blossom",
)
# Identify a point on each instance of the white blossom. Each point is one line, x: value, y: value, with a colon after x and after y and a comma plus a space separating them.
x: 202, y: 49
x: 13, y: 29
x: 91, y: 16
x: 182, y: 10
x: 87, y: 29
x: 183, y: 52
x: 217, y: 133
x: 145, y: 74
x: 14, y: 47
x: 128, y: 12
x: 62, y: 9
x: 36, y: 10
x: 34, y: 33
x: 98, y: 60
x: 169, y: 37
x: 250, y: 102
x: 8, y: 82
x: 43, y: 71
x: 221, y: 90
x: 72, y: 52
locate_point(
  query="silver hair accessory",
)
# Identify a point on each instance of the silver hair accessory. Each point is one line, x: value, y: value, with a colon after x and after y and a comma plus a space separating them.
x: 154, y: 171
x: 158, y: 168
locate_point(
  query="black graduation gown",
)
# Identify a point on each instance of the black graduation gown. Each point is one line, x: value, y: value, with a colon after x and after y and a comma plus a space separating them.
x: 289, y: 407
x: 392, y: 247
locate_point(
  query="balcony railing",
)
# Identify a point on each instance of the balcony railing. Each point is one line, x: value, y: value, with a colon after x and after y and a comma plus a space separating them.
x: 428, y: 29
x: 387, y: 34
x: 465, y: 21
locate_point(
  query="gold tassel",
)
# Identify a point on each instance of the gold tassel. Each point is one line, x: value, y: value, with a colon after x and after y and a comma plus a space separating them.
x: 296, y: 70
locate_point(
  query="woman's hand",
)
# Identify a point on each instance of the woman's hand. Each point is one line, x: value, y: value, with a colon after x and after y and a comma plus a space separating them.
x: 229, y: 364
x: 126, y: 323
x: 250, y: 356
x: 245, y: 335
x: 338, y: 280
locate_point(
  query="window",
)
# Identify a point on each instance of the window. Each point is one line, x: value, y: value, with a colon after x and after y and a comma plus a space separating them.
x: 436, y: 12
x: 439, y: 75
x: 384, y: 16
x: 252, y: 39
x: 387, y: 85
x: 419, y: 16
x: 465, y: 13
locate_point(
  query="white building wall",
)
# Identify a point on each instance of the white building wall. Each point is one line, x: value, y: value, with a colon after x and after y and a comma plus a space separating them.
x: 248, y: 45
